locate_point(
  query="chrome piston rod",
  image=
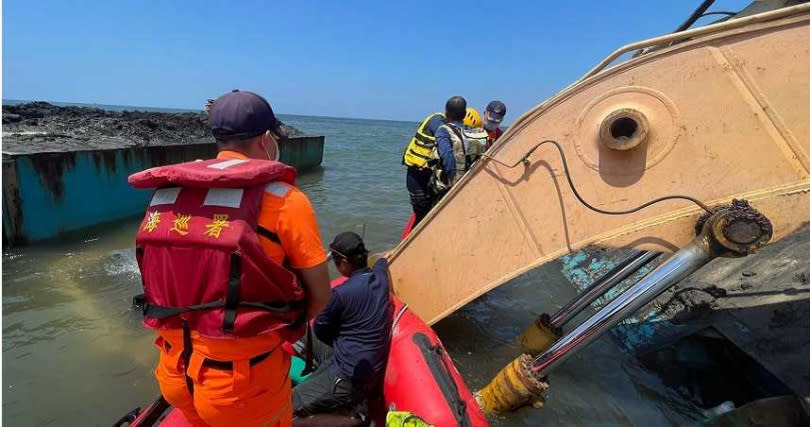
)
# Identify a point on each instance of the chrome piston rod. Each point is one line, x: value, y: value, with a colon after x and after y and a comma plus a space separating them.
x: 678, y: 266
x: 600, y: 286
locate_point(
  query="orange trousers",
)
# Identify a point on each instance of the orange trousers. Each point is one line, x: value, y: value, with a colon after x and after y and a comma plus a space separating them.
x: 258, y: 395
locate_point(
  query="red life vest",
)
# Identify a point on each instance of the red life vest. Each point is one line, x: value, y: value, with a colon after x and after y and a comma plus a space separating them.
x: 493, y: 135
x: 198, y: 250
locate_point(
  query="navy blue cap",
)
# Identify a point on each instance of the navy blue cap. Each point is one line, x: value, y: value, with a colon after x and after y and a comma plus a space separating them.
x: 347, y: 244
x: 242, y: 115
x: 496, y: 110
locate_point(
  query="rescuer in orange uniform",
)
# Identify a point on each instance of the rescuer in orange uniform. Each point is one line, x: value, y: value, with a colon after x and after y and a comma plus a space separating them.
x: 240, y: 379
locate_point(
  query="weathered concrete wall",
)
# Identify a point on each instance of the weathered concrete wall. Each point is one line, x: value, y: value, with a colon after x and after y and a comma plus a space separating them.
x: 47, y: 194
x: 303, y: 152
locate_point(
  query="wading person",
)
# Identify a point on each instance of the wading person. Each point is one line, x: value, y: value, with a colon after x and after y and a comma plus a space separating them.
x: 423, y: 154
x: 493, y: 116
x: 354, y: 334
x: 232, y: 265
x: 475, y: 137
x: 450, y: 149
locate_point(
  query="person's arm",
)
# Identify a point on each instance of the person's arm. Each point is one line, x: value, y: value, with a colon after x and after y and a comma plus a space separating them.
x: 434, y: 124
x: 327, y: 324
x: 301, y: 241
x: 380, y: 269
x: 315, y: 281
x: 444, y: 145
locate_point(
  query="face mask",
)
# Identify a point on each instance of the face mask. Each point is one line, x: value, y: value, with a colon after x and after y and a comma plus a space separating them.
x: 490, y: 126
x: 267, y: 151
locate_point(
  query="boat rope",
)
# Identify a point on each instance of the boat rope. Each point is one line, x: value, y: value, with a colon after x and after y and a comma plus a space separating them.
x: 525, y: 160
x: 398, y: 316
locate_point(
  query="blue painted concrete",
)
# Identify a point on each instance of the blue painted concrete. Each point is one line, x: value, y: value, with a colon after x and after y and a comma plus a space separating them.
x: 54, y: 193
x: 48, y: 194
x: 90, y: 195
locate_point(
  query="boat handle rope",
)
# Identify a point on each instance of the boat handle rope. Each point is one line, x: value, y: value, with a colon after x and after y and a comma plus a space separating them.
x: 398, y: 316
x: 525, y: 160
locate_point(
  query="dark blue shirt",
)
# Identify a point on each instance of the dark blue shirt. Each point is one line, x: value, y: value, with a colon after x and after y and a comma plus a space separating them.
x: 357, y: 323
x: 435, y: 122
x: 444, y: 145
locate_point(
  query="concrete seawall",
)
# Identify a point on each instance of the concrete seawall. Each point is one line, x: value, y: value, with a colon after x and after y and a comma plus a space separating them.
x: 303, y: 152
x: 46, y: 194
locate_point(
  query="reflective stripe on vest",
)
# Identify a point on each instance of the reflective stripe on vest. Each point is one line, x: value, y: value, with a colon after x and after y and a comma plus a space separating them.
x: 422, y: 147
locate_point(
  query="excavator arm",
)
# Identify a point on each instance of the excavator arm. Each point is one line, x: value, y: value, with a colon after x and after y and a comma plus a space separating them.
x: 708, y: 116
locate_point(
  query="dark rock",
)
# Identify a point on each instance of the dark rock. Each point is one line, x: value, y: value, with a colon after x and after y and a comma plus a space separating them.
x: 749, y: 273
x: 291, y: 131
x: 68, y: 128
x: 11, y: 118
x: 690, y: 303
x: 40, y: 126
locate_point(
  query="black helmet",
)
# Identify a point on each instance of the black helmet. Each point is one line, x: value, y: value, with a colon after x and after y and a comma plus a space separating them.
x: 456, y: 108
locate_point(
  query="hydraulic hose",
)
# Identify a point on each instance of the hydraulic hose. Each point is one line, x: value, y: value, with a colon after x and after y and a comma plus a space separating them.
x: 525, y: 160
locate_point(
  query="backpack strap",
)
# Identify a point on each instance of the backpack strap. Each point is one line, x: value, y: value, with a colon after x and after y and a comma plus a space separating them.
x: 232, y: 295
x: 267, y: 234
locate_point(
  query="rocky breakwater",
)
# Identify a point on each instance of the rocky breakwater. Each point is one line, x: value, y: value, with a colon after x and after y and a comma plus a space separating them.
x: 41, y: 127
x: 65, y: 168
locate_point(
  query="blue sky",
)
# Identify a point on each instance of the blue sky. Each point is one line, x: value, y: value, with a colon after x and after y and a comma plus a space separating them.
x: 390, y: 60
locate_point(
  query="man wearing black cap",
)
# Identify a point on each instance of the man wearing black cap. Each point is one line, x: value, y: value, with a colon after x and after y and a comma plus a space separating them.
x: 430, y: 157
x: 244, y: 122
x: 354, y: 334
x: 493, y: 116
x: 253, y: 387
x: 450, y: 148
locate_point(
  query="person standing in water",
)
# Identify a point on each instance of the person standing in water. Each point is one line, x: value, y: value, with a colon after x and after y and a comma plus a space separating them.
x: 475, y: 137
x: 493, y: 116
x: 232, y: 265
x: 425, y: 155
x: 450, y: 149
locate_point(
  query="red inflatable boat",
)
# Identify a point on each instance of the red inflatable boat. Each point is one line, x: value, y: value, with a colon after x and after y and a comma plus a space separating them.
x: 408, y: 227
x: 420, y: 378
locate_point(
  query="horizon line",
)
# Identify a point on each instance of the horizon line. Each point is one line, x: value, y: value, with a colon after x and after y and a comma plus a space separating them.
x: 153, y: 108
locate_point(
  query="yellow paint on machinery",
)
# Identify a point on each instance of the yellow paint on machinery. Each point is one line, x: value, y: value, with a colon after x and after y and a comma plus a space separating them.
x: 721, y: 115
x: 538, y: 337
x: 514, y: 386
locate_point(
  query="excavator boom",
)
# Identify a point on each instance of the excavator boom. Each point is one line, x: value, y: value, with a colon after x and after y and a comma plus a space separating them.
x: 722, y: 113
